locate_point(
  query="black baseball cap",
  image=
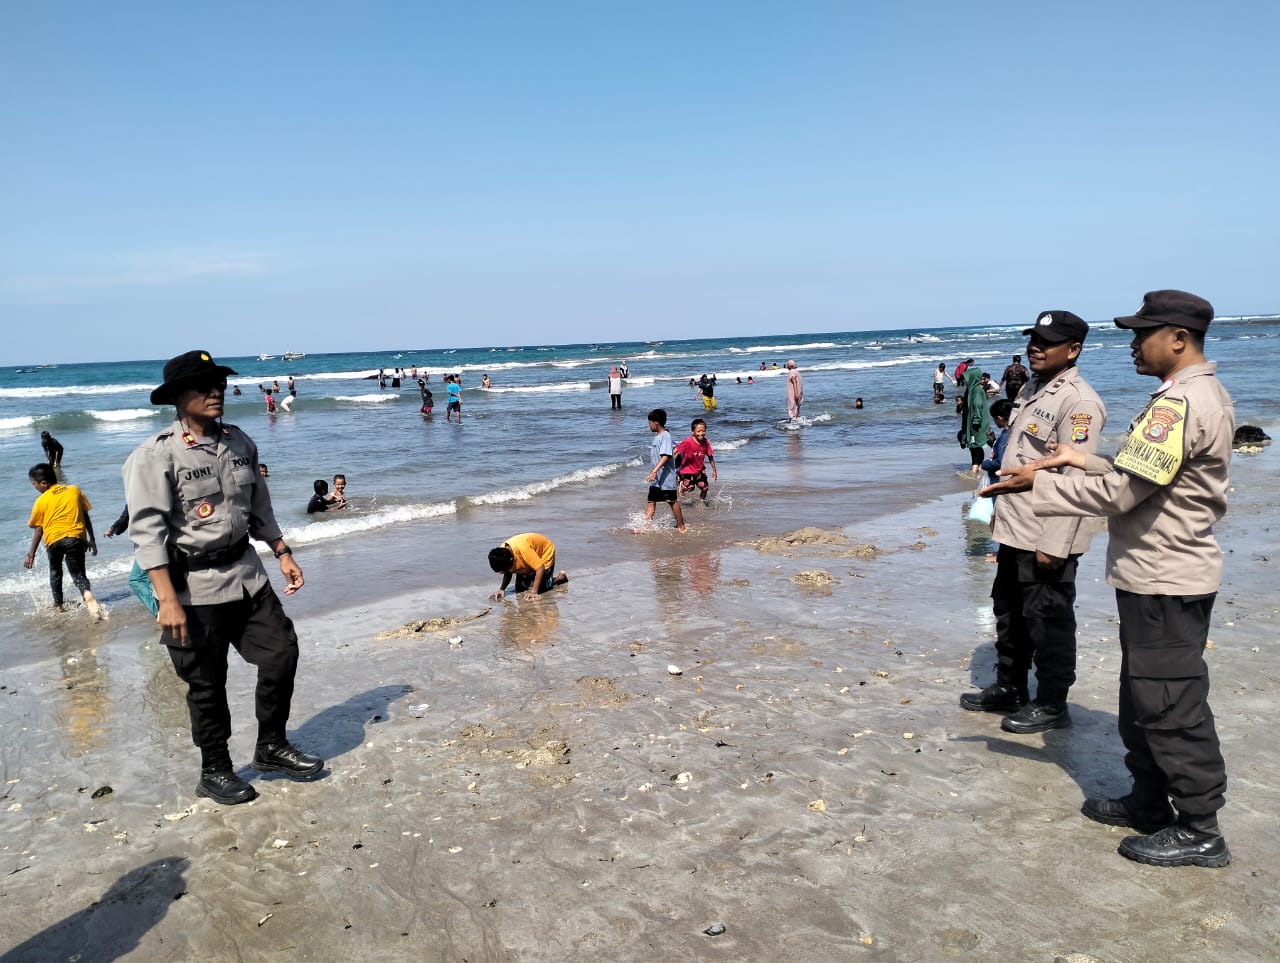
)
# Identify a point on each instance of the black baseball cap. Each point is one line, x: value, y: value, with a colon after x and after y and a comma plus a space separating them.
x: 184, y: 369
x: 1174, y: 308
x: 1058, y: 326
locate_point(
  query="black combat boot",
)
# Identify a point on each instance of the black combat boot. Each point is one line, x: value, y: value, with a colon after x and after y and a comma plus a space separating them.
x: 1145, y: 817
x: 218, y: 779
x: 1047, y: 711
x: 1191, y: 841
x: 283, y: 757
x: 997, y: 697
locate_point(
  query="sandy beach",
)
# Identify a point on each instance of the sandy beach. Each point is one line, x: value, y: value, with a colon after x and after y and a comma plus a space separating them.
x: 543, y: 787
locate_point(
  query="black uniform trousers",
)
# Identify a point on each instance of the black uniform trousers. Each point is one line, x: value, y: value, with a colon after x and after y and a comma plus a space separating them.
x: 264, y: 637
x: 1165, y: 721
x: 1035, y: 622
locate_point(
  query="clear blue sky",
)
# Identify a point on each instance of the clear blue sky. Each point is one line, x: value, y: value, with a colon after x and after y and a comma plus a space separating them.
x: 328, y: 176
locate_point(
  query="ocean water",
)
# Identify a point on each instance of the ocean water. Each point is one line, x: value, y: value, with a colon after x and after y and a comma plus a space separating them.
x: 541, y: 449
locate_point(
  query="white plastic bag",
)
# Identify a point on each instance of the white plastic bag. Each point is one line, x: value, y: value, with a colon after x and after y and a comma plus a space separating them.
x: 982, y: 509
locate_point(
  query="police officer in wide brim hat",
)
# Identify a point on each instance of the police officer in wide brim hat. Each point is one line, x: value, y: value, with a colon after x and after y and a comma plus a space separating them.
x: 187, y: 369
x: 196, y: 501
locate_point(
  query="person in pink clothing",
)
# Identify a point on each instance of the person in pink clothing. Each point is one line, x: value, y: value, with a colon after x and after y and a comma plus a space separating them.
x: 795, y: 390
x: 692, y: 454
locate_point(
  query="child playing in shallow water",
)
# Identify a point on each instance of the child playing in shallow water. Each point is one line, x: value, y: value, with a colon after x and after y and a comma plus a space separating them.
x: 691, y: 456
x: 662, y: 479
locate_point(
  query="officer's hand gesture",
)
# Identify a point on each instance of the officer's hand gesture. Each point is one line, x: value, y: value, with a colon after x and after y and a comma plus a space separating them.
x: 172, y: 618
x: 292, y: 574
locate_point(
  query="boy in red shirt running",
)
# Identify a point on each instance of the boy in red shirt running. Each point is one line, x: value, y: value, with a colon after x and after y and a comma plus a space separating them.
x: 690, y: 456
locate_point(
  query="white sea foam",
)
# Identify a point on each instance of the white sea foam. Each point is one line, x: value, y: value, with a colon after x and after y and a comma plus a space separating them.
x: 782, y: 348
x: 334, y: 527
x: 423, y: 371
x: 565, y: 386
x: 367, y: 399
x: 126, y: 414
x: 525, y: 492
x: 731, y: 445
x: 796, y: 424
x: 14, y: 424
x: 45, y: 391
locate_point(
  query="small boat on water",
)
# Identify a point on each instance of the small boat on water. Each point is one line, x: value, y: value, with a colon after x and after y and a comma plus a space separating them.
x: 266, y: 357
x: 296, y: 355
x: 655, y: 344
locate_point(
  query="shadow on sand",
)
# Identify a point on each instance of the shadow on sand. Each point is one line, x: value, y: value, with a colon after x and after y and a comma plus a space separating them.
x: 114, y: 925
x: 1089, y: 751
x: 341, y: 728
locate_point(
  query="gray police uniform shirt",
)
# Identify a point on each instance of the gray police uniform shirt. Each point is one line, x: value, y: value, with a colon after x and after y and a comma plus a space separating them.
x: 1161, y: 531
x: 199, y: 495
x: 1064, y: 411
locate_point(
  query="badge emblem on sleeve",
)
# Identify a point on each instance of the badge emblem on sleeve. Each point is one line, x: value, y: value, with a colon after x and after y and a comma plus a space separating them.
x: 204, y: 509
x: 1153, y: 451
x: 1160, y: 420
x: 1080, y: 428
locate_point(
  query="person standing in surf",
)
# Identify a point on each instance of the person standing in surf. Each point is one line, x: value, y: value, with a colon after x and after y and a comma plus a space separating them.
x: 615, y: 389
x: 795, y: 390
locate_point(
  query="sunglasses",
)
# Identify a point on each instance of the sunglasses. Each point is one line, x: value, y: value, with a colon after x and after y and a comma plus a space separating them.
x: 206, y: 386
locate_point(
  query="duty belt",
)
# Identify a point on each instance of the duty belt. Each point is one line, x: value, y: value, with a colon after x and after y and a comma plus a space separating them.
x: 215, y: 559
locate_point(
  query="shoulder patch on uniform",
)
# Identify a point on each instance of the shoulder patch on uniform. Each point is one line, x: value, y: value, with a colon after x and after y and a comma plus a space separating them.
x: 1153, y: 448
x: 1080, y: 423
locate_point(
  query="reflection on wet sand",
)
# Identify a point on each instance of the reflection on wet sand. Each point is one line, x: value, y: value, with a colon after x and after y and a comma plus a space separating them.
x: 530, y: 625
x: 674, y: 577
x: 165, y: 694
x: 84, y: 712
x: 704, y: 573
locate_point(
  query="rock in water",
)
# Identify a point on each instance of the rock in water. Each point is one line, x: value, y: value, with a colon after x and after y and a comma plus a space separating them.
x: 1250, y: 435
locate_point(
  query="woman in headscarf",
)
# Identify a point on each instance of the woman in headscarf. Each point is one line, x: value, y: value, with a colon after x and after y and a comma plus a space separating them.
x: 975, y: 421
x: 615, y: 389
x: 795, y: 390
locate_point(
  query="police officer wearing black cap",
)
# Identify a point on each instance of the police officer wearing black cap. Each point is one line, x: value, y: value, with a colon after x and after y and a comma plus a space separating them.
x: 1162, y: 494
x: 1034, y: 593
x: 195, y: 498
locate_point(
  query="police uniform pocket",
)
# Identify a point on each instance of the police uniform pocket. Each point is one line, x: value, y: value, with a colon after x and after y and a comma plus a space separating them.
x: 243, y: 476
x: 1169, y: 703
x: 202, y: 501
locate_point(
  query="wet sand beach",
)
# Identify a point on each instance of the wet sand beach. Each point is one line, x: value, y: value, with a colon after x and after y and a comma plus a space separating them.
x: 545, y: 788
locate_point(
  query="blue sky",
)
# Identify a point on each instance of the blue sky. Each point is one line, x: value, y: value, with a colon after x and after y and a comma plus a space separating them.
x: 324, y: 177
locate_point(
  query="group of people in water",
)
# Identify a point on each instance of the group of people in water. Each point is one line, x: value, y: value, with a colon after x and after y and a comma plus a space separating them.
x: 974, y: 403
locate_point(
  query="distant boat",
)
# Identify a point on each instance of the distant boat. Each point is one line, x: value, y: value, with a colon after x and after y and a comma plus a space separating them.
x: 266, y: 357
x: 655, y: 344
x: 294, y: 355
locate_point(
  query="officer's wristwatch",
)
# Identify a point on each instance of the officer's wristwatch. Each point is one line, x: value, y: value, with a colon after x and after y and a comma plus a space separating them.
x: 286, y: 550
